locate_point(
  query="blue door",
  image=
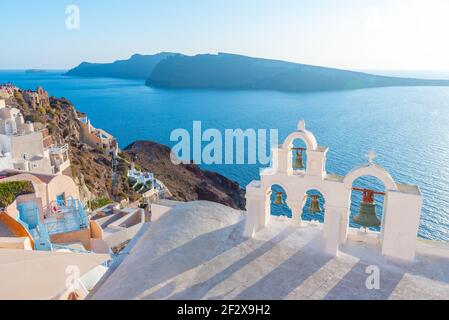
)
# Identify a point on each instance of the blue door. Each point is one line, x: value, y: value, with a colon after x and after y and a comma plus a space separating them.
x: 60, y: 199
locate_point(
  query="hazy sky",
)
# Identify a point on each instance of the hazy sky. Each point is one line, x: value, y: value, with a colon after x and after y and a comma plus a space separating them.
x: 352, y: 34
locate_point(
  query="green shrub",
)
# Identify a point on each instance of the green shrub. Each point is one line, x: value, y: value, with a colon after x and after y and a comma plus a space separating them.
x: 19, y: 98
x: 10, y: 190
x: 124, y: 156
x: 138, y: 167
x: 99, y: 203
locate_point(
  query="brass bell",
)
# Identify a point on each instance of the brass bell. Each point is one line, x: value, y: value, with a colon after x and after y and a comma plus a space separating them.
x: 315, y: 204
x: 367, y: 216
x: 278, y: 200
x: 299, y: 164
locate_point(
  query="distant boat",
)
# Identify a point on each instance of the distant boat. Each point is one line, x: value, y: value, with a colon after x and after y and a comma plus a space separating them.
x: 35, y: 71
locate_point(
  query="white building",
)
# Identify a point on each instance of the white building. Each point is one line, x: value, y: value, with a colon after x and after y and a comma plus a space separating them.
x: 98, y: 138
x: 141, y: 177
x: 146, y: 184
x: 25, y: 148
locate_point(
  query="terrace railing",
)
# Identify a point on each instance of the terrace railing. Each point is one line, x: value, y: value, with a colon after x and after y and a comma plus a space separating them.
x: 65, y: 216
x: 59, y: 149
x: 71, y: 249
x: 60, y: 217
x: 106, y: 264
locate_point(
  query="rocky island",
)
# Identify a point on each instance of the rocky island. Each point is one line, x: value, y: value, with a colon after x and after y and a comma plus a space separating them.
x: 237, y: 72
x: 137, y: 67
x: 35, y: 71
x: 225, y: 71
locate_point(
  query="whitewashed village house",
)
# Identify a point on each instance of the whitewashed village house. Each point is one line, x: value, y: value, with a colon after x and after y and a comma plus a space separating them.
x: 48, y: 229
x: 46, y: 226
x: 98, y: 138
x: 24, y: 147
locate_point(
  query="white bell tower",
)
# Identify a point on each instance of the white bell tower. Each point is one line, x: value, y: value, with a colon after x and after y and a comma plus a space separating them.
x: 402, y: 206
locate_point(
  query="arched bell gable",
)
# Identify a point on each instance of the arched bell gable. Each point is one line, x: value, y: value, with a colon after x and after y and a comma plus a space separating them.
x: 303, y: 134
x: 370, y: 170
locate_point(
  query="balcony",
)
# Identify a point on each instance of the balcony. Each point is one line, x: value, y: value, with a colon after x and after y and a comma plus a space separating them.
x: 58, y: 167
x: 60, y: 150
x: 65, y: 216
x: 62, y: 217
x: 59, y: 157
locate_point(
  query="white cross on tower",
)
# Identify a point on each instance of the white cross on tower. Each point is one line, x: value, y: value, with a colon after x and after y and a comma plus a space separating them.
x: 371, y: 155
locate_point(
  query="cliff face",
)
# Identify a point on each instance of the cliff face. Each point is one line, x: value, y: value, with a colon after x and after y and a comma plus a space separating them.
x: 186, y: 182
x: 91, y: 168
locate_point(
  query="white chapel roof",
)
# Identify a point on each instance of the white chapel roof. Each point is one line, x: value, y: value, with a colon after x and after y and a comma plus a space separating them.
x: 40, y: 275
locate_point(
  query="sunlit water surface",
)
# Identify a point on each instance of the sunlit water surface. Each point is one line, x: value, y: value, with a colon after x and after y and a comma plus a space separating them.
x: 407, y: 127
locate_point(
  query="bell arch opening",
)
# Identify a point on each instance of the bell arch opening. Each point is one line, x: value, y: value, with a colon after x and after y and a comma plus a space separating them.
x: 370, y: 170
x: 277, y: 201
x: 297, y: 156
x: 367, y: 203
x: 306, y: 136
x: 313, y: 208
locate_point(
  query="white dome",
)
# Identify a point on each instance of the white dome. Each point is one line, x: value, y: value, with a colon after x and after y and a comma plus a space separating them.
x: 190, y: 234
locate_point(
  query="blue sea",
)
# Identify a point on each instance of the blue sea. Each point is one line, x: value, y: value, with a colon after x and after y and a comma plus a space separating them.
x: 407, y: 127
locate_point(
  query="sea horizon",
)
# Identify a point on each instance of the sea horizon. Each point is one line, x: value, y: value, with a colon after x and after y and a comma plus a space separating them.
x: 408, y: 73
